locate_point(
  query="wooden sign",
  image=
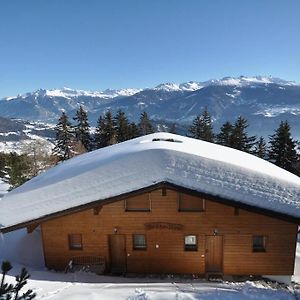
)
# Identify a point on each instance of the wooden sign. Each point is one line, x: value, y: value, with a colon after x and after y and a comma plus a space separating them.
x: 163, y: 225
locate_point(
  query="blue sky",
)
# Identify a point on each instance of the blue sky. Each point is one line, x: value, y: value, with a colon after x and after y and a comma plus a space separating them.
x: 98, y: 44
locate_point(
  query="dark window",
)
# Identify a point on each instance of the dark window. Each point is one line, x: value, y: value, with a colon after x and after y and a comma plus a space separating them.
x: 258, y: 243
x: 236, y: 211
x: 139, y: 242
x: 75, y: 241
x: 190, y: 203
x: 190, y: 243
x: 164, y: 192
x: 138, y: 203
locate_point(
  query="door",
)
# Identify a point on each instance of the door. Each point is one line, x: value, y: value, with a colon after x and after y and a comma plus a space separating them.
x: 214, y: 253
x: 117, y: 253
x: 164, y: 250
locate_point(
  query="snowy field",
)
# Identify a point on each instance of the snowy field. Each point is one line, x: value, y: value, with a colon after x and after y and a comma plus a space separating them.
x: 60, y: 286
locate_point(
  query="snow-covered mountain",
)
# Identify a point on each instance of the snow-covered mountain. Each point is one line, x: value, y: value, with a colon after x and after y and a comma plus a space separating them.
x: 70, y: 93
x: 264, y: 101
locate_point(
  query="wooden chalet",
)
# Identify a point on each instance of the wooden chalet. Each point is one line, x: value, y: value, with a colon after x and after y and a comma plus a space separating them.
x: 163, y: 204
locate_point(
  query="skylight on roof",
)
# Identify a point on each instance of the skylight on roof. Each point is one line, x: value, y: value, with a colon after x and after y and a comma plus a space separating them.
x: 166, y: 140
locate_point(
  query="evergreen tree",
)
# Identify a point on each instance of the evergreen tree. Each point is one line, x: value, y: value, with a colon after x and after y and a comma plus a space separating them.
x: 145, y: 126
x: 133, y: 131
x: 122, y: 127
x: 10, y: 291
x: 282, y: 150
x: 64, y: 138
x: 202, y: 127
x: 99, y: 133
x: 297, y: 167
x: 5, y: 288
x: 240, y: 138
x: 173, y: 128
x: 82, y: 129
x: 105, y: 134
x: 18, y: 169
x: 110, y: 129
x: 261, y: 148
x: 225, y: 136
x: 3, y: 165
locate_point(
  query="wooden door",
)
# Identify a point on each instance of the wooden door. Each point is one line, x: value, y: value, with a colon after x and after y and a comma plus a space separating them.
x: 163, y: 251
x: 117, y: 252
x: 214, y: 253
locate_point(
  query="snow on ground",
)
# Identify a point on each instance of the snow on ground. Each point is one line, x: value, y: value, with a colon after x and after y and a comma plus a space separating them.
x: 3, y: 188
x: 277, y: 110
x: 23, y: 146
x: 296, y: 276
x: 80, y: 285
x: 22, y: 248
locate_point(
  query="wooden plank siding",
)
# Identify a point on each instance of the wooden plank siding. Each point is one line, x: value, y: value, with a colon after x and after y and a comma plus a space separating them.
x: 165, y: 246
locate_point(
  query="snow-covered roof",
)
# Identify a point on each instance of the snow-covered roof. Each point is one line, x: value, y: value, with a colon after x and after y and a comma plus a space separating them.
x: 143, y: 162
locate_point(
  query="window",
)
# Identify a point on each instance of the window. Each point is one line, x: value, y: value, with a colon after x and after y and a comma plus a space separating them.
x: 190, y: 203
x: 138, y: 203
x: 258, y: 243
x: 139, y: 242
x: 190, y: 243
x: 164, y: 192
x: 75, y: 241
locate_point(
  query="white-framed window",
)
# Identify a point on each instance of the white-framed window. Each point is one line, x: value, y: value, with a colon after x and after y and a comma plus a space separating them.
x: 190, y: 243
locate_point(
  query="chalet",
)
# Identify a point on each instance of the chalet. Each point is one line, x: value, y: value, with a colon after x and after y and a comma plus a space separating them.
x: 163, y: 203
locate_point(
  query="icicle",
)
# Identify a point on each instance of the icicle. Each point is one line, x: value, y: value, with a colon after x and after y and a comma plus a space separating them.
x: 1, y: 237
x: 2, y: 242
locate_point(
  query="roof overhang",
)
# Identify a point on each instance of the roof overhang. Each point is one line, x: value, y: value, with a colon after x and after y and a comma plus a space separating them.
x: 163, y: 184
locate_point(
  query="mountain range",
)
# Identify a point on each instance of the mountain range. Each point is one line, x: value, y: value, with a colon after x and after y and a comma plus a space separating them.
x: 264, y: 101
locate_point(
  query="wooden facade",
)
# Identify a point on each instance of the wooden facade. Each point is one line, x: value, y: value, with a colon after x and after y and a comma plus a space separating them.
x: 223, y: 234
